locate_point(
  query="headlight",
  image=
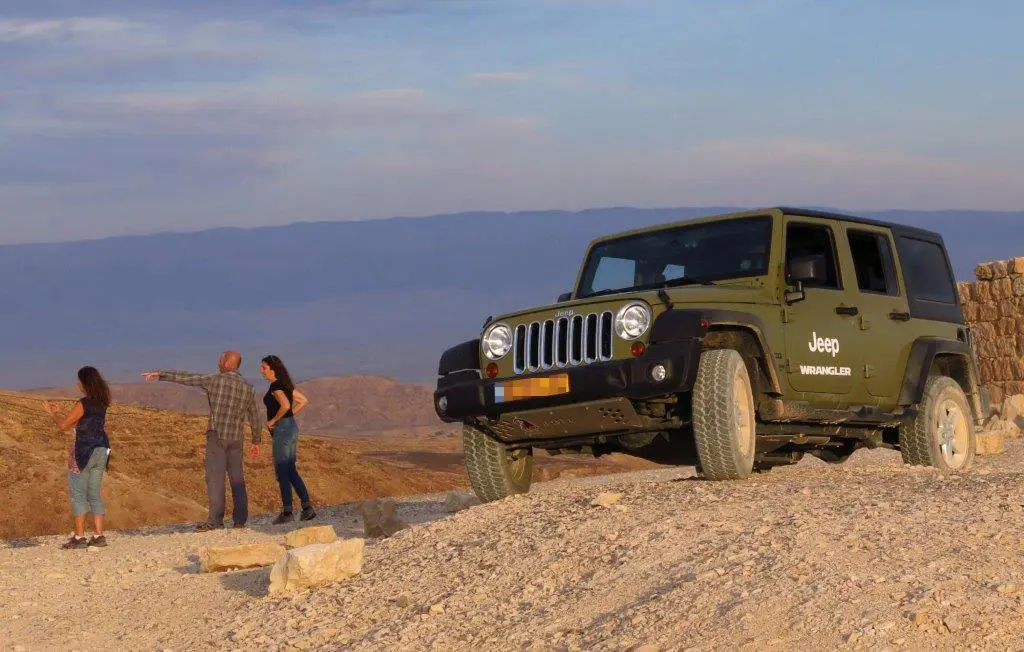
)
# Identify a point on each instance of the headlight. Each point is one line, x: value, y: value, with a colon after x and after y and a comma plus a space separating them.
x: 497, y: 341
x: 632, y: 321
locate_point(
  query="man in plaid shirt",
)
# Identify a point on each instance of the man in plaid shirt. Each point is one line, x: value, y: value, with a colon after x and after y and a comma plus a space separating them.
x: 233, y: 402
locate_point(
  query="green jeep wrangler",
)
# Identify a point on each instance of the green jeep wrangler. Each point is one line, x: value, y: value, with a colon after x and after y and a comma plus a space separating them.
x: 733, y: 343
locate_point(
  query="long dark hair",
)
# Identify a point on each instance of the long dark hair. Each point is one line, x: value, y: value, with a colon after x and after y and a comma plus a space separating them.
x: 95, y: 387
x: 280, y: 371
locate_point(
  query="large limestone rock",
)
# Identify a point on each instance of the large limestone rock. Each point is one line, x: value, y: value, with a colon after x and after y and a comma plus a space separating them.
x: 457, y: 501
x: 317, y: 565
x: 380, y: 518
x: 309, y: 536
x: 254, y: 555
x: 1013, y: 410
x: 1008, y: 429
x: 990, y: 443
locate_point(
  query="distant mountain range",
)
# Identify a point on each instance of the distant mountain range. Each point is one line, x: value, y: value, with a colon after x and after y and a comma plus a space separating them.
x: 372, y: 297
x: 349, y: 405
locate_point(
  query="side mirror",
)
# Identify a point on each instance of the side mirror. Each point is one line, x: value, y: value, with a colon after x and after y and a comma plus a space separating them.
x: 565, y: 296
x: 801, y: 270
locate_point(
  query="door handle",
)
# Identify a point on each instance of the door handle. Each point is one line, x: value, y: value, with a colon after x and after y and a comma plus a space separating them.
x: 899, y: 316
x: 847, y: 310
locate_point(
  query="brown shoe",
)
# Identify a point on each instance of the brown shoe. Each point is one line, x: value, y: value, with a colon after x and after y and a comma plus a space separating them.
x: 74, y: 543
x: 208, y: 527
x: 98, y: 542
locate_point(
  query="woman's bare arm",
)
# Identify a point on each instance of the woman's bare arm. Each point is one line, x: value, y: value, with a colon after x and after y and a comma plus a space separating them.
x: 300, y: 402
x: 71, y: 420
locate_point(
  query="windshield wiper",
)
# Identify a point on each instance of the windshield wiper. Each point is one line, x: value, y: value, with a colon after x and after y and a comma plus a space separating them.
x: 675, y: 282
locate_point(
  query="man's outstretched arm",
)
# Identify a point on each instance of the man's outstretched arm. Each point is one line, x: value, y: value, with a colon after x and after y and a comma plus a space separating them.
x: 179, y: 377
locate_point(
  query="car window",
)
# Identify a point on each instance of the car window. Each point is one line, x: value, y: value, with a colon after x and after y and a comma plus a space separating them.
x: 814, y: 240
x: 873, y: 262
x: 926, y: 271
x: 614, y: 273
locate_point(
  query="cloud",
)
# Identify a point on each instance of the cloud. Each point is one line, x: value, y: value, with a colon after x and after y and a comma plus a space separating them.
x: 62, y: 29
x: 500, y: 76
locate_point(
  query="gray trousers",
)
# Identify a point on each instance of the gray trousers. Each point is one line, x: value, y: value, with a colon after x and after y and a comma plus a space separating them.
x: 225, y: 458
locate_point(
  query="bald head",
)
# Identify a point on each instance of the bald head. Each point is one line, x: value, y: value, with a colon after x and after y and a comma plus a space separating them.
x: 230, y: 361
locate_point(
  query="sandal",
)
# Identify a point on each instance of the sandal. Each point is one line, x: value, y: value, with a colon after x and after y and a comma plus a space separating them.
x: 74, y: 543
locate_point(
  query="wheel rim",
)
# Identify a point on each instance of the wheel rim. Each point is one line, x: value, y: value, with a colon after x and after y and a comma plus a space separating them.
x: 953, y: 433
x: 743, y: 411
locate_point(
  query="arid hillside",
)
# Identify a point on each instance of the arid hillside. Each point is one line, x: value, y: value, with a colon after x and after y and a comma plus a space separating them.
x: 156, y: 471
x: 346, y: 404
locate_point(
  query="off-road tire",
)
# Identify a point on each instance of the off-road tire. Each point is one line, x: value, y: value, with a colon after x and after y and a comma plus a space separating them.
x: 493, y: 473
x: 724, y: 421
x: 944, y: 415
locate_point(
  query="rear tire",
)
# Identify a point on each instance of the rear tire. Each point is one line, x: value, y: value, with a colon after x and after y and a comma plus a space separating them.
x: 724, y: 422
x: 494, y: 471
x: 942, y: 433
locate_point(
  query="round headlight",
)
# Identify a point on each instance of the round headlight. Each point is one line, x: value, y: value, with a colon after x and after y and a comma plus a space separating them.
x: 632, y: 321
x: 497, y: 341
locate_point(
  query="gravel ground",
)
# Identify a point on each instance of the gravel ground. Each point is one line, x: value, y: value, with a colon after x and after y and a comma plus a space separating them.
x: 870, y: 554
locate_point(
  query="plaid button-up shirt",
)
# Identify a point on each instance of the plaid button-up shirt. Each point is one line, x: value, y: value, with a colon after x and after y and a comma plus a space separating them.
x: 232, y: 402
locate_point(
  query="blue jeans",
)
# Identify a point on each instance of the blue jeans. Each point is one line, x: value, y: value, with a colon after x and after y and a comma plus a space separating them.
x: 286, y: 445
x: 85, y: 487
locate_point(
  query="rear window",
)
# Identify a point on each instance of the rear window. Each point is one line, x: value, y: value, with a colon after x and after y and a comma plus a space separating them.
x: 926, y: 271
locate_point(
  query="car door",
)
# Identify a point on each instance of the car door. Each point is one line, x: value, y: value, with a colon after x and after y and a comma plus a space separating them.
x: 883, y: 311
x: 820, y: 326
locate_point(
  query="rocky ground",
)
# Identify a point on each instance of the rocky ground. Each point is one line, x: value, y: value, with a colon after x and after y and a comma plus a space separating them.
x: 867, y: 555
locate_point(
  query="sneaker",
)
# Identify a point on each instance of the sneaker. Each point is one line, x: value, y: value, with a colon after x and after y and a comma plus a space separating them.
x: 74, y: 543
x: 98, y: 542
x: 283, y: 517
x: 307, y: 514
x: 208, y: 527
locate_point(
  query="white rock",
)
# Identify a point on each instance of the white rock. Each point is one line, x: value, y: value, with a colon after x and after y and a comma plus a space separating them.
x: 317, y: 565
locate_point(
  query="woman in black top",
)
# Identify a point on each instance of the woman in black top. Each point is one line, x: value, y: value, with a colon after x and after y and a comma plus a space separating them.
x: 87, y: 460
x: 283, y: 402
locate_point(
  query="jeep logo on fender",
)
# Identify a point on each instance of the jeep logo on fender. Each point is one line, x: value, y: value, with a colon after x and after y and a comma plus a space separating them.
x: 823, y: 345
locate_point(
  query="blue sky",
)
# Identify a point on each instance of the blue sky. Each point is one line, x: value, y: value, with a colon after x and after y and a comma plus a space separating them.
x: 142, y: 116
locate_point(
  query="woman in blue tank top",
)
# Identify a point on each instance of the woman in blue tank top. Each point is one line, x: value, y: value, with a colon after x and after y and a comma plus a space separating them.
x: 87, y: 459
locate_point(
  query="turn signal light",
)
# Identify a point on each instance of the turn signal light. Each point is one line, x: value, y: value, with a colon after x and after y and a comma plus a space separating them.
x: 638, y: 349
x: 705, y: 324
x: 492, y: 370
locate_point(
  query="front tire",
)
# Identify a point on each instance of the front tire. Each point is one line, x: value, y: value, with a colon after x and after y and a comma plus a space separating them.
x: 494, y: 471
x: 942, y: 433
x: 724, y: 421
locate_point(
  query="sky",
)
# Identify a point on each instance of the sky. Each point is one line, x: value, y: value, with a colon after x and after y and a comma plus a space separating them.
x: 142, y: 116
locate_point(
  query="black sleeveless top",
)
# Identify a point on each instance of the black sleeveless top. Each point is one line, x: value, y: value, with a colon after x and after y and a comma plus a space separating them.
x: 91, y: 431
x: 273, y: 405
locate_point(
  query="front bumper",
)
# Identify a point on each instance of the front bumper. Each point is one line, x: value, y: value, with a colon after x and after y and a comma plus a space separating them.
x: 467, y: 396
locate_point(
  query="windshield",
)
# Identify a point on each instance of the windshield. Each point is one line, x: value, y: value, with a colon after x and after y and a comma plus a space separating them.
x: 699, y: 253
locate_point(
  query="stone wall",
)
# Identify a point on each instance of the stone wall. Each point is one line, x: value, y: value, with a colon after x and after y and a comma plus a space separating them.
x: 994, y: 309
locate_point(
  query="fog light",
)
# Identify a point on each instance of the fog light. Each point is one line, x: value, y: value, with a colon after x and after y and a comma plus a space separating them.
x: 659, y: 373
x: 638, y: 349
x: 442, y: 404
x: 492, y: 370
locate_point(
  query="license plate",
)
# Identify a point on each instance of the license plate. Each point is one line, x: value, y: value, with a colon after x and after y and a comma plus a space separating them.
x: 522, y: 388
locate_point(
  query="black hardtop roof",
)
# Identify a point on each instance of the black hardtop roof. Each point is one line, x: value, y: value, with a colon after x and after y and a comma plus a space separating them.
x: 899, y: 229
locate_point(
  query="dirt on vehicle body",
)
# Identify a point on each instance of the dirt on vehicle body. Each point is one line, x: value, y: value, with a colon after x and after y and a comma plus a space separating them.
x: 736, y: 343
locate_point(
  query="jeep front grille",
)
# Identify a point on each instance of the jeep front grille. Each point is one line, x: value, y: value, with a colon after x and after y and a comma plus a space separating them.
x: 562, y: 342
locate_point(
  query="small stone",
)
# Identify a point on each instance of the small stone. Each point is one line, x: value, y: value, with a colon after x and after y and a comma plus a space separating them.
x: 436, y: 609
x: 310, y: 535
x: 380, y: 518
x: 403, y: 600
x: 254, y: 555
x: 952, y: 624
x: 457, y: 501
x: 55, y: 576
x: 606, y: 499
